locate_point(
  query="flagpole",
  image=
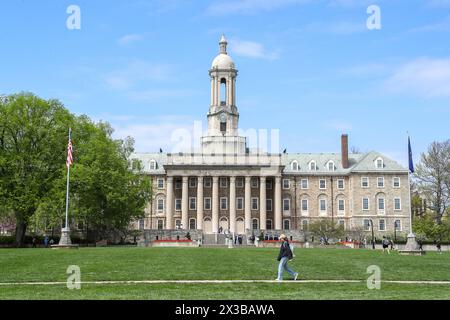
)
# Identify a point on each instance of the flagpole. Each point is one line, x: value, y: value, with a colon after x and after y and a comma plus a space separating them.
x: 67, y: 191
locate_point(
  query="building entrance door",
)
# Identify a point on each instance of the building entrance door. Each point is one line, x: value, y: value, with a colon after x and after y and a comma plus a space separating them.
x: 207, y: 226
x: 240, y: 227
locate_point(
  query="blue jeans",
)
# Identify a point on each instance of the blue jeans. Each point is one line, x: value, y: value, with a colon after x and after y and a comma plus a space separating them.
x: 284, y: 265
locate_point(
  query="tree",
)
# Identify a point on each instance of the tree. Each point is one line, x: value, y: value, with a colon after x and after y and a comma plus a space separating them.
x: 327, y: 229
x: 33, y: 140
x: 433, y: 177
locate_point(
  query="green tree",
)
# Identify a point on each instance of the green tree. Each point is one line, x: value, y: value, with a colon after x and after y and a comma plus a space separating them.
x: 327, y: 229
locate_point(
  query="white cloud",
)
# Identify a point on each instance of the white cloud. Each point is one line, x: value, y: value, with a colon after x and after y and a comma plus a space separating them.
x: 129, y: 38
x: 425, y: 76
x: 249, y: 6
x: 251, y: 49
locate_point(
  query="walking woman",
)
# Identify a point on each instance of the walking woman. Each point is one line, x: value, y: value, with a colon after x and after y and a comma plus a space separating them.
x: 284, y: 257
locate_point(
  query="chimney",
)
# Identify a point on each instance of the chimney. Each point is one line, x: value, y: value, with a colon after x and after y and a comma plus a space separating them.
x: 344, y: 151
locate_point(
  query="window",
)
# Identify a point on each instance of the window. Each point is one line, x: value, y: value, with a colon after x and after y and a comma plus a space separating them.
x: 240, y: 182
x: 340, y: 184
x: 323, y: 205
x: 366, y: 224
x: 341, y: 205
x: 322, y: 184
x: 192, y: 203
x: 192, y: 182
x: 207, y: 182
x: 304, y: 184
x: 160, y: 205
x: 286, y: 183
x: 207, y: 203
x: 160, y: 224
x: 305, y: 225
x: 178, y: 184
x: 192, y: 224
x: 223, y: 182
x: 152, y: 165
x: 398, y: 225
x: 178, y: 224
x: 223, y: 91
x: 312, y: 166
x: 268, y: 224
x: 397, y: 204
x: 269, y: 204
x: 379, y: 163
x: 223, y: 203
x: 294, y: 166
x: 381, y: 204
x: 254, y: 203
x: 286, y: 224
x: 304, y: 205
x: 286, y: 204
x: 341, y: 223
x: 141, y: 224
x: 330, y: 166
x: 269, y: 184
x: 239, y: 203
x: 382, y: 225
x: 177, y: 204
x: 160, y: 183
x: 254, y: 183
x: 396, y: 182
x: 380, y: 182
x: 365, y: 182
x: 365, y: 204
x: 255, y: 224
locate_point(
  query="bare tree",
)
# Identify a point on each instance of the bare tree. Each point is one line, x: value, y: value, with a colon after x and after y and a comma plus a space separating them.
x: 432, y: 175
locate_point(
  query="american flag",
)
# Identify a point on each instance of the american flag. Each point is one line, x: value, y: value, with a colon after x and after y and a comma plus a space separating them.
x: 69, y: 161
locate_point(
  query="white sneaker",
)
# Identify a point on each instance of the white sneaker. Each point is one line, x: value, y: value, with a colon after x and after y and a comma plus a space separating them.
x: 296, y: 276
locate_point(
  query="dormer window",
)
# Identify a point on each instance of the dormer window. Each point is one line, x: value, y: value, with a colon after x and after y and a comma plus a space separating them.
x: 330, y: 166
x: 379, y: 163
x: 312, y: 166
x: 294, y: 165
x: 152, y: 165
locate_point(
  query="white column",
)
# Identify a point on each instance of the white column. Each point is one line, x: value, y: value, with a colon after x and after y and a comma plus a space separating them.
x: 184, y: 203
x: 277, y: 200
x: 212, y: 91
x: 248, y: 211
x: 232, y: 204
x: 200, y: 203
x: 169, y: 203
x: 215, y: 205
x: 262, y: 204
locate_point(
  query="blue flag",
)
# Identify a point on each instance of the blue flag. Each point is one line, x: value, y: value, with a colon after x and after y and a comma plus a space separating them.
x: 411, y: 164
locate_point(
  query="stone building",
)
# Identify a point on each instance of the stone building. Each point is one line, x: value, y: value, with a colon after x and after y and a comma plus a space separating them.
x: 224, y: 186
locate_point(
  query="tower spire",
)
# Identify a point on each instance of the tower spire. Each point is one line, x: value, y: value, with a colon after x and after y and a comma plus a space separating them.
x: 223, y: 44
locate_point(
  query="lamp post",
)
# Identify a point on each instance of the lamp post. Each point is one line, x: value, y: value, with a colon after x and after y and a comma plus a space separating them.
x: 373, y: 238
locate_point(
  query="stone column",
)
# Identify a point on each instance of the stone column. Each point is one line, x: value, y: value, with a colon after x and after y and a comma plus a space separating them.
x: 248, y: 207
x: 185, y: 203
x: 277, y: 200
x: 262, y: 204
x: 215, y: 205
x: 200, y: 203
x: 232, y: 204
x: 169, y: 204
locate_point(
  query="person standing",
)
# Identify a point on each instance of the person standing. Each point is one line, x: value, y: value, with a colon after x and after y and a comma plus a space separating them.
x: 438, y: 247
x: 284, y: 257
x: 34, y: 242
x: 46, y: 241
x: 385, y: 244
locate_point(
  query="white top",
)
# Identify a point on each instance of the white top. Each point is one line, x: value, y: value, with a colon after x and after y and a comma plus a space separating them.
x: 223, y: 61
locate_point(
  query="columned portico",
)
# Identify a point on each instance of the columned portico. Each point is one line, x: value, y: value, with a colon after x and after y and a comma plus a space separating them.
x: 262, y: 205
x: 200, y: 203
x: 215, y: 205
x: 247, y: 200
x: 233, y: 204
x: 169, y: 204
x: 184, y: 204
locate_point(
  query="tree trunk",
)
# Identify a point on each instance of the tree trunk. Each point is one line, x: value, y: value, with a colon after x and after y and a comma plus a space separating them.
x: 21, y: 228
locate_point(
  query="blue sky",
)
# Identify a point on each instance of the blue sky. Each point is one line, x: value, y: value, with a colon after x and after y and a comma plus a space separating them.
x: 309, y: 68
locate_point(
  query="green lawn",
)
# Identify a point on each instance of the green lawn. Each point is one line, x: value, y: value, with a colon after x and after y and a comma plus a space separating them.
x: 100, y: 264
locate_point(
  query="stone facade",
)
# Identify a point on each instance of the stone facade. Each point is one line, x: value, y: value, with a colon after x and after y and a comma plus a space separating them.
x: 226, y: 187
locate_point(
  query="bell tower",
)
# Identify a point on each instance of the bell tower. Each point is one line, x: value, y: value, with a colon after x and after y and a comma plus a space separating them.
x: 223, y: 116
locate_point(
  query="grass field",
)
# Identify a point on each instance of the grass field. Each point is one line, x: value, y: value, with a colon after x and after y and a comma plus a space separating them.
x: 139, y: 264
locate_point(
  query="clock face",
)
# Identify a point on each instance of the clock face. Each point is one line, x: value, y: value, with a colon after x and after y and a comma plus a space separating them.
x: 223, y: 117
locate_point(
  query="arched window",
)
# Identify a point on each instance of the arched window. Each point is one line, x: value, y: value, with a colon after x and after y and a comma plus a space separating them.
x: 379, y: 163
x: 294, y: 165
x: 223, y: 91
x: 312, y: 166
x: 330, y: 166
x: 192, y: 224
x: 152, y: 165
x: 305, y: 225
x: 286, y: 224
x: 255, y: 224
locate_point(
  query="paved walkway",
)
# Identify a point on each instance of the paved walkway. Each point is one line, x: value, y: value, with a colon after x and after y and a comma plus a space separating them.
x: 220, y: 282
